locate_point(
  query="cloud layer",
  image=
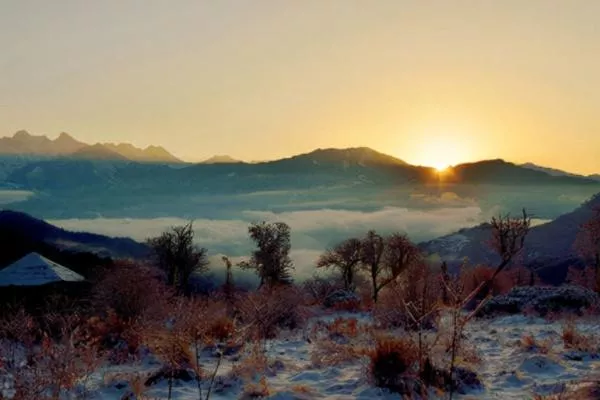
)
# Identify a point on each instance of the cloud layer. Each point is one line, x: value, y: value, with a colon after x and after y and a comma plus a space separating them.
x: 312, y: 230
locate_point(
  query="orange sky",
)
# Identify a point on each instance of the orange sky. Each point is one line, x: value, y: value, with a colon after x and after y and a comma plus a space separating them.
x: 431, y: 82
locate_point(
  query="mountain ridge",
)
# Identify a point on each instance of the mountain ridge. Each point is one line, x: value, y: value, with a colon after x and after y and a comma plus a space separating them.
x: 19, y: 224
x: 65, y: 145
x: 558, y: 172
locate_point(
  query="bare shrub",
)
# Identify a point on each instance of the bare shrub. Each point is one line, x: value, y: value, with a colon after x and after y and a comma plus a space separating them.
x: 575, y: 340
x: 317, y: 289
x: 413, y: 303
x: 179, y: 339
x: 394, y: 365
x: 130, y: 290
x: 474, y: 278
x: 587, y: 243
x: 530, y: 344
x: 265, y: 312
x: 57, y: 364
x: 584, y: 277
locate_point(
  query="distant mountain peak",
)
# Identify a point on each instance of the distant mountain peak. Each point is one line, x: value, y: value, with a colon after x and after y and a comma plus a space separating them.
x: 22, y: 134
x: 65, y: 136
x: 352, y: 154
x: 221, y: 159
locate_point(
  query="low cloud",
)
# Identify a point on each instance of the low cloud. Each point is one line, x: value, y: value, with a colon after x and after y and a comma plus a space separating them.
x: 312, y: 230
x: 14, y: 196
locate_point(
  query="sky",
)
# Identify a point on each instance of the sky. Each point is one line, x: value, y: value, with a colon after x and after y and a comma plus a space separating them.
x: 430, y: 82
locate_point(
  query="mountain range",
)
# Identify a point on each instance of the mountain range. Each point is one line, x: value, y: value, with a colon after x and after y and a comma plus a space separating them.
x: 320, y: 168
x: 66, y: 146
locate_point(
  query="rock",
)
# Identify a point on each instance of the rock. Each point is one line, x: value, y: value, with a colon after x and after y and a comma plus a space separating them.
x: 541, y: 299
x: 340, y: 297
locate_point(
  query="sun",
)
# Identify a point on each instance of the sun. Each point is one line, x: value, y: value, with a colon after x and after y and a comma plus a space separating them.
x: 440, y: 152
x: 440, y: 167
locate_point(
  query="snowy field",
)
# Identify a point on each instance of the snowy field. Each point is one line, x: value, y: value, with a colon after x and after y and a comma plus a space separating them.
x: 507, y: 368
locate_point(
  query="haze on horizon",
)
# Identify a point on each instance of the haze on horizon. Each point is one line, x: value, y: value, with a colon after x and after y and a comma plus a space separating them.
x: 432, y: 83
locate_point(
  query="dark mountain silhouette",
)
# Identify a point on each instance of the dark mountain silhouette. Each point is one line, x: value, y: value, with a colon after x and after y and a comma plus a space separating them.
x: 549, y: 248
x: 221, y: 159
x: 558, y: 172
x: 26, y: 227
x: 502, y: 172
x: 361, y: 156
x: 23, y: 143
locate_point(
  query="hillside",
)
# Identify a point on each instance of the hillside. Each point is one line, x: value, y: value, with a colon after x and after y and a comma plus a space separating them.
x: 549, y: 247
x: 16, y: 224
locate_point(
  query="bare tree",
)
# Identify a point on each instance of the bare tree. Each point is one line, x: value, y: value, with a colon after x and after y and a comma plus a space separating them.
x: 400, y: 254
x: 508, y: 238
x: 271, y: 260
x: 386, y: 258
x: 587, y: 243
x: 228, y: 286
x: 178, y: 256
x: 346, y: 257
x: 373, y: 247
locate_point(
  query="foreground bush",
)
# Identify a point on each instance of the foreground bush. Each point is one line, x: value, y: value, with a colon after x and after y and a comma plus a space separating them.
x: 394, y: 365
x: 265, y: 312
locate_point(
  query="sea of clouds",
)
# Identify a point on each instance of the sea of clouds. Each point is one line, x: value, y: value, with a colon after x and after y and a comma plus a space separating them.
x: 312, y: 230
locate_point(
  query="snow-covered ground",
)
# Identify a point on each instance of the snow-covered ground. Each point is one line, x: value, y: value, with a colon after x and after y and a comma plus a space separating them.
x: 507, y: 369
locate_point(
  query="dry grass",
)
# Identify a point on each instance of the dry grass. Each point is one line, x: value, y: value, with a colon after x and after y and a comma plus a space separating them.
x: 347, y: 327
x: 531, y: 344
x: 254, y: 363
x: 329, y: 353
x: 575, y: 340
x: 302, y: 389
x: 256, y: 390
x: 588, y: 390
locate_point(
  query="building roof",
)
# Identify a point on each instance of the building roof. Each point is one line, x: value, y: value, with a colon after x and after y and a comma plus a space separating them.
x: 35, y: 270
